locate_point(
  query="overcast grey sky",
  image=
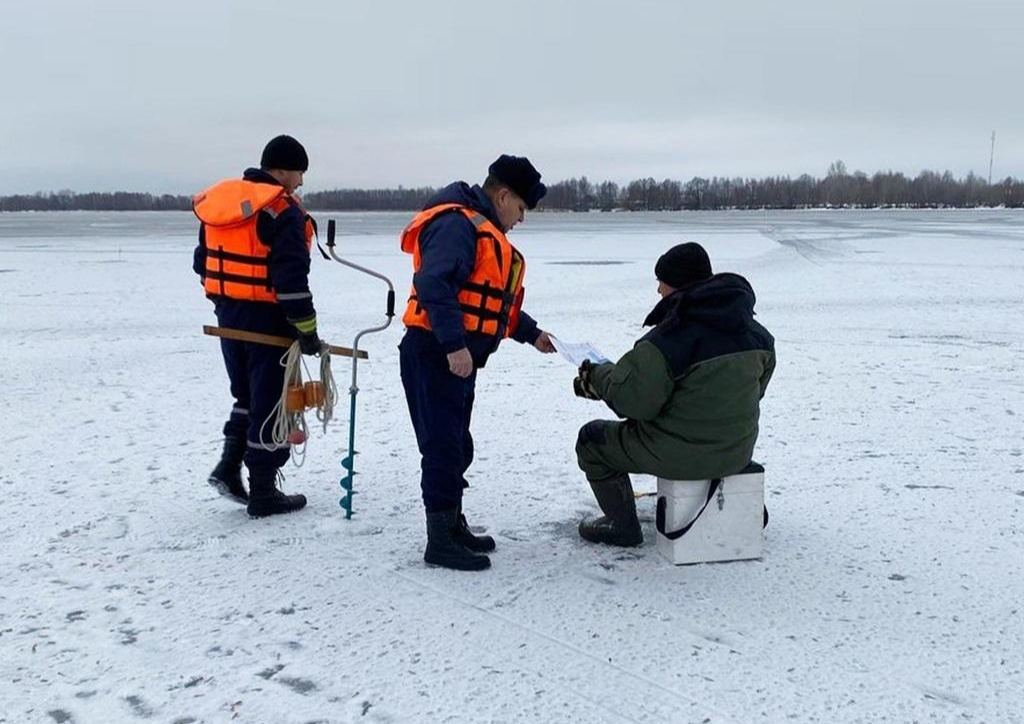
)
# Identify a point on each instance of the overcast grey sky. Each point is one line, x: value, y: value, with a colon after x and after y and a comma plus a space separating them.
x: 169, y: 96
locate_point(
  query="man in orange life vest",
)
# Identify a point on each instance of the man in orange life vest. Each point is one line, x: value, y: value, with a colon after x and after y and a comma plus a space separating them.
x: 253, y: 258
x: 467, y: 294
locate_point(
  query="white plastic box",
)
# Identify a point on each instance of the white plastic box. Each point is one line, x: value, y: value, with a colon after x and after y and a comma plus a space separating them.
x: 730, y: 528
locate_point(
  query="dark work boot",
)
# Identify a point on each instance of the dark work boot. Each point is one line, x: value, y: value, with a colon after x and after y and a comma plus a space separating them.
x: 444, y: 549
x: 619, y: 525
x: 264, y: 497
x: 226, y: 478
x: 475, y: 543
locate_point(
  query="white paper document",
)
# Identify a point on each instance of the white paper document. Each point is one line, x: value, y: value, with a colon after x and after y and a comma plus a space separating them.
x: 576, y: 352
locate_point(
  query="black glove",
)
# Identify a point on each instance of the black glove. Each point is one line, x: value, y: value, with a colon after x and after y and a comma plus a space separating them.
x: 582, y: 390
x: 582, y: 385
x: 310, y: 343
x: 586, y: 367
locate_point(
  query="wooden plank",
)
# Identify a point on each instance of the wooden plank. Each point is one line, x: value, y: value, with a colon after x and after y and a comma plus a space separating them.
x: 243, y: 336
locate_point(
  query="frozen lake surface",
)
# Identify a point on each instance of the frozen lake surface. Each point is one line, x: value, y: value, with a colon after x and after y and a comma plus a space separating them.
x: 892, y: 434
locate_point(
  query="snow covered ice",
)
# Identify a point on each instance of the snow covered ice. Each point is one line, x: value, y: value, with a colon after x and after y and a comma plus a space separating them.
x: 890, y: 589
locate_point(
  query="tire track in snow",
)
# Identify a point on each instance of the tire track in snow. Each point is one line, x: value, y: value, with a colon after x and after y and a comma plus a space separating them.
x: 815, y: 253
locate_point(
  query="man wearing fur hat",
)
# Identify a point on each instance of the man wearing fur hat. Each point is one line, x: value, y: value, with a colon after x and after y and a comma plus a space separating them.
x: 689, y: 391
x: 467, y: 295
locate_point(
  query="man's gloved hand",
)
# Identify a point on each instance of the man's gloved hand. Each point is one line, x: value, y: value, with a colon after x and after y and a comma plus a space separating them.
x: 582, y: 385
x: 581, y: 390
x: 585, y: 370
x: 310, y: 344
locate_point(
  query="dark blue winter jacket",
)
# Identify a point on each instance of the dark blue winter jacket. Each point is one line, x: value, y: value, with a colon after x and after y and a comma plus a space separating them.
x: 448, y: 253
x: 288, y: 267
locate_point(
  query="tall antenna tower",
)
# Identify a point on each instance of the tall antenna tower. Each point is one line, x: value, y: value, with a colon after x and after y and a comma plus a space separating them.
x: 991, y: 158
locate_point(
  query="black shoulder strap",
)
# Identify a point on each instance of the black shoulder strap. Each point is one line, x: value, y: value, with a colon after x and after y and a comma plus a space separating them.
x: 316, y: 235
x: 676, y: 534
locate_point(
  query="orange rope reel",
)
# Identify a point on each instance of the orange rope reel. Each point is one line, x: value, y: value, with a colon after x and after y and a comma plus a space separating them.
x: 305, y: 396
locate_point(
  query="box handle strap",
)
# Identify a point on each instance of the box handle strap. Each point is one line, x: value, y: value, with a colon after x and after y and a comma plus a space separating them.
x: 659, y: 518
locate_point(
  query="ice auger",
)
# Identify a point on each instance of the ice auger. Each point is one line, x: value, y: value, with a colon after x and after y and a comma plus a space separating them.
x: 349, y: 461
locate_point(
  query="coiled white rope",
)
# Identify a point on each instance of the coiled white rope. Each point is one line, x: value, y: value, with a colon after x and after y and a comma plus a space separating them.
x: 325, y: 412
x: 285, y: 424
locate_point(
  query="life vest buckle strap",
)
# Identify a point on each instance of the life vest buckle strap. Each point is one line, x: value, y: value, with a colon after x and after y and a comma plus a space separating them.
x: 489, y: 291
x: 222, y: 255
x: 483, y: 315
x: 225, y: 277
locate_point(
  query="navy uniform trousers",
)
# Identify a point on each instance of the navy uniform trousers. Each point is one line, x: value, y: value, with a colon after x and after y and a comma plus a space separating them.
x: 440, y: 405
x: 256, y: 376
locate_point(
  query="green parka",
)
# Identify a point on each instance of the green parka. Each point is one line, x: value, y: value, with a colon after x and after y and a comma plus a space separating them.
x: 689, y: 389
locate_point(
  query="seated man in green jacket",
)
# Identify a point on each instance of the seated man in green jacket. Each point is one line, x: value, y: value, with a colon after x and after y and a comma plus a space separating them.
x: 689, y: 391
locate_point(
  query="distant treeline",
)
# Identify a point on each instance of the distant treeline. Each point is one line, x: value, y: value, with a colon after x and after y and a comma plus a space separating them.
x: 95, y: 201
x: 838, y: 189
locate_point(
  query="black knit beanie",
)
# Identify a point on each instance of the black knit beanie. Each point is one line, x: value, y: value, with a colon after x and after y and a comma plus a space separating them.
x: 683, y: 265
x: 285, y: 153
x: 518, y: 174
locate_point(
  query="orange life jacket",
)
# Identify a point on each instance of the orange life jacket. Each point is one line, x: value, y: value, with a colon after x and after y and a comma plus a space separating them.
x: 493, y: 294
x: 236, y: 260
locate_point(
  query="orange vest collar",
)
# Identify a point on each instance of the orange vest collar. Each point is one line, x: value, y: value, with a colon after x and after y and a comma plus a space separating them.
x: 234, y: 201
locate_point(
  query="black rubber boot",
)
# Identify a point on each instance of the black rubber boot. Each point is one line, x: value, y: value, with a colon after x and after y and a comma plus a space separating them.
x: 444, y: 549
x: 619, y: 525
x: 264, y: 497
x: 475, y: 543
x: 226, y: 478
